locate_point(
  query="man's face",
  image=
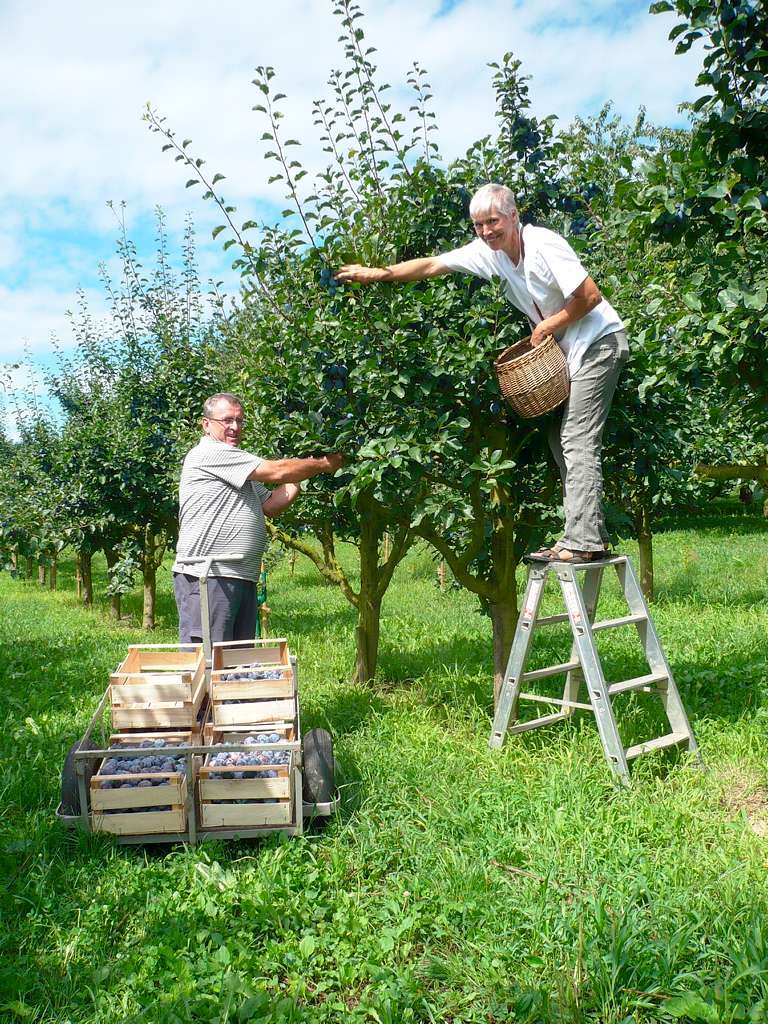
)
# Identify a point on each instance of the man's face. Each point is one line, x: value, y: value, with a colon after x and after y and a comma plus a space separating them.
x: 497, y: 230
x: 226, y: 423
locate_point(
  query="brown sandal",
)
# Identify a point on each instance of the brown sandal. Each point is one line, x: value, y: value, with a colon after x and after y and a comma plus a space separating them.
x: 544, y: 554
x: 579, y: 557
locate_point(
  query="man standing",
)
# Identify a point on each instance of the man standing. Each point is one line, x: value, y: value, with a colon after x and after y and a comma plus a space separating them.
x: 222, y: 504
x: 545, y: 279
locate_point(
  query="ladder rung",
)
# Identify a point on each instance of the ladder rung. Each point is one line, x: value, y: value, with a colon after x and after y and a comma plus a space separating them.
x: 582, y: 566
x: 626, y: 620
x: 556, y: 700
x: 638, y: 683
x: 550, y: 620
x: 536, y: 722
x: 553, y: 670
x: 670, y: 740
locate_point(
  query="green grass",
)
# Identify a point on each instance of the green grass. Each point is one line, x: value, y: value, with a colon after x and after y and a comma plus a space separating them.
x: 457, y: 884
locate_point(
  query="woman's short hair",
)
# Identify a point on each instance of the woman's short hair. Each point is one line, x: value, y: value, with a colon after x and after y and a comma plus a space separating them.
x: 223, y: 396
x: 493, y: 197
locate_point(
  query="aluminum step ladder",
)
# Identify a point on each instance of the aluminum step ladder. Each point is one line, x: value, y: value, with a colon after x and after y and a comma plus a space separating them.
x: 583, y: 665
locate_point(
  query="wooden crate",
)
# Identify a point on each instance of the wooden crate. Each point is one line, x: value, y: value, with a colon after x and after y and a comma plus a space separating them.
x: 159, y: 686
x: 247, y: 701
x: 139, y: 806
x: 231, y: 814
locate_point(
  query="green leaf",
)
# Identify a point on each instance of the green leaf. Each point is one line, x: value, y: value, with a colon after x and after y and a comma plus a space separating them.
x: 191, y: 182
x: 217, y: 177
x: 217, y: 230
x: 307, y: 945
x: 691, y: 1005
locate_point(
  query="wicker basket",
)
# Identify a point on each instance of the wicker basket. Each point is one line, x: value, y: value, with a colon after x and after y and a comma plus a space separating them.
x: 534, y: 380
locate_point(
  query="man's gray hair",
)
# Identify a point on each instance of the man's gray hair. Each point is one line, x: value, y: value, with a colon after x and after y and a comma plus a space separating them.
x: 493, y: 197
x: 210, y: 404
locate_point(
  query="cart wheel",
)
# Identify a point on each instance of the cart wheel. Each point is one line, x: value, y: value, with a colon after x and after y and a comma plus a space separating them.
x: 70, y: 797
x: 319, y: 767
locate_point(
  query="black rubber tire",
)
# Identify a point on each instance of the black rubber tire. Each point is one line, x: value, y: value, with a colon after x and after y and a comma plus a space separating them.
x: 319, y: 767
x: 70, y: 797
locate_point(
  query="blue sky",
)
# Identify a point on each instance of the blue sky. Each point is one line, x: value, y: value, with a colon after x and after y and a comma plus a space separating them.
x: 75, y: 78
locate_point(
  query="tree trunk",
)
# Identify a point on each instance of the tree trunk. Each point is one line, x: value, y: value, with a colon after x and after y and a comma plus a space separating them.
x: 149, y: 570
x: 84, y: 560
x: 369, y: 603
x: 30, y: 568
x: 441, y: 573
x: 645, y: 545
x: 42, y: 573
x: 150, y: 590
x: 115, y: 603
x: 504, y: 620
x: 53, y: 573
x: 14, y: 562
x: 293, y: 556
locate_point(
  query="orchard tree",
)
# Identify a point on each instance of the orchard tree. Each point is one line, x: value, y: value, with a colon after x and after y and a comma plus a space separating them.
x: 709, y: 198
x: 400, y: 378
x: 132, y: 394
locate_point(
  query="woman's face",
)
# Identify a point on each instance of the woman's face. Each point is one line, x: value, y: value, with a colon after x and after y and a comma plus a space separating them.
x: 499, y: 231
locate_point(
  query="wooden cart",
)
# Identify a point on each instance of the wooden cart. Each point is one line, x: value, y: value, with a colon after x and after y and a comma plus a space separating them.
x: 188, y: 805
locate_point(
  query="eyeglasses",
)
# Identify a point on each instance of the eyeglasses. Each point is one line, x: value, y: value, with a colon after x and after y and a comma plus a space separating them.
x: 229, y: 421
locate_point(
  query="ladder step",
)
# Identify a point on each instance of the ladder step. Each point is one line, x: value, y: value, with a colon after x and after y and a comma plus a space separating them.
x: 672, y: 739
x: 553, y: 670
x: 626, y: 620
x: 638, y: 683
x: 555, y: 700
x: 536, y: 722
x: 550, y: 620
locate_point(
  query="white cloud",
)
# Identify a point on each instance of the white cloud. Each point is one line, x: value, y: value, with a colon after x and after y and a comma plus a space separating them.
x: 78, y: 76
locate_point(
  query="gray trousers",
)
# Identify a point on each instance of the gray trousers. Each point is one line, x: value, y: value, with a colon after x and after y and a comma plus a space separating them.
x: 231, y: 607
x: 576, y: 440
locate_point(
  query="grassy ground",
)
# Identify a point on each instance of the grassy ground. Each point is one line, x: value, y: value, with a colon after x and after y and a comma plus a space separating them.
x: 457, y: 884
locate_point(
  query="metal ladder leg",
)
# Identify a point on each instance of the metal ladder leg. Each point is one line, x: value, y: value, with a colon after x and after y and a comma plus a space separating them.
x: 597, y: 686
x: 591, y: 593
x: 665, y: 689
x: 506, y: 709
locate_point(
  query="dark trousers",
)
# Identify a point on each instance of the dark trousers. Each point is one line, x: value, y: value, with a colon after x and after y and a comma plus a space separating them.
x: 231, y: 608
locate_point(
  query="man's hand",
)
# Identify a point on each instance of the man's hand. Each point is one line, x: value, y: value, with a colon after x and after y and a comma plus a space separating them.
x: 293, y: 471
x: 540, y: 333
x: 358, y: 274
x: 335, y: 461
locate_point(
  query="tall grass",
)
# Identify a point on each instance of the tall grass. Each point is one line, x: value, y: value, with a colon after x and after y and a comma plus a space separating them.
x: 457, y: 884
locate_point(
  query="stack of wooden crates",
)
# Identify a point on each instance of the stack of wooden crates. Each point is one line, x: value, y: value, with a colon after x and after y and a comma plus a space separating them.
x: 158, y: 697
x: 254, y: 706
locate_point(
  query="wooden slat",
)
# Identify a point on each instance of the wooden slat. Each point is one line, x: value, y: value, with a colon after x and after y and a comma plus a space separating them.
x: 141, y: 823
x: 253, y: 712
x: 245, y: 815
x: 244, y: 789
x: 555, y: 700
x: 672, y: 739
x: 252, y: 689
x: 173, y: 791
x: 637, y: 683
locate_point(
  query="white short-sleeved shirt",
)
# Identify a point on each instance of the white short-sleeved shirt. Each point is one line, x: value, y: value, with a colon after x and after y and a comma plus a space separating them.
x: 546, y: 276
x: 220, y: 510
